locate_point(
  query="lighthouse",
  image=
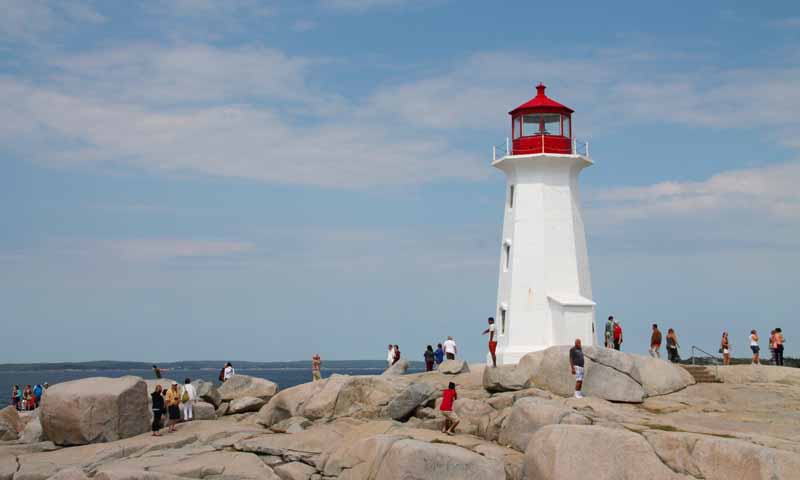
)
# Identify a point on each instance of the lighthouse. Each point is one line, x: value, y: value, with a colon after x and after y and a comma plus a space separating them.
x: 544, y: 294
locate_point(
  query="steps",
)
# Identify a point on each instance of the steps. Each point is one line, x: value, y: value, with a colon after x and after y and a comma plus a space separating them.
x: 702, y: 373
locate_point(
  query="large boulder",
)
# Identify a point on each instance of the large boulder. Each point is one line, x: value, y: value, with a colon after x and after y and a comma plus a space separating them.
x: 399, y: 368
x: 10, y: 424
x: 530, y: 414
x: 609, y: 374
x: 33, y: 432
x: 402, y: 406
x: 599, y: 453
x: 289, y: 403
x: 240, y: 386
x: 204, y: 411
x: 94, y: 410
x: 207, y: 392
x: 504, y: 378
x: 453, y: 367
x: 408, y: 459
x: 245, y: 405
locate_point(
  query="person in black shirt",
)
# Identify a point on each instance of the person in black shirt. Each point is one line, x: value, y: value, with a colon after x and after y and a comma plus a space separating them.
x: 576, y: 366
x: 158, y: 410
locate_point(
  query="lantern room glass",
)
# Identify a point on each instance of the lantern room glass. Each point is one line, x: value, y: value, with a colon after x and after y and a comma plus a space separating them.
x: 552, y: 124
x: 531, y: 125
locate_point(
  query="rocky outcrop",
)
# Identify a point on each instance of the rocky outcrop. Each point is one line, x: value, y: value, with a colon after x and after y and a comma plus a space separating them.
x: 204, y: 411
x: 403, y: 405
x: 504, y: 378
x: 207, y: 392
x: 530, y: 414
x: 95, y: 410
x: 610, y: 374
x: 245, y: 405
x: 453, y: 367
x: 399, y: 368
x: 10, y: 424
x: 291, y: 425
x: 32, y: 433
x: 599, y: 453
x: 240, y: 386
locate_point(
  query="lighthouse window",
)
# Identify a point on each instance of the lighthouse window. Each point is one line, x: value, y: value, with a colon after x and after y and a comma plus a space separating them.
x: 552, y: 124
x: 531, y: 125
x: 566, y: 126
x: 517, y: 127
x: 503, y: 321
x: 506, y: 257
x: 511, y: 196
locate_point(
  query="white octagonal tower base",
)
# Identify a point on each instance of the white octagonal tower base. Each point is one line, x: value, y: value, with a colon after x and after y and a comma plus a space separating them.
x: 544, y: 295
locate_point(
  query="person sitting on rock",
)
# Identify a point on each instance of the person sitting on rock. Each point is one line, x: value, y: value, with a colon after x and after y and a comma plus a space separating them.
x: 576, y: 366
x: 451, y: 420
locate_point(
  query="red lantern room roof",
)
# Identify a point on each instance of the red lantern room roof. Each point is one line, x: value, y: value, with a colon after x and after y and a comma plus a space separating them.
x: 541, y: 103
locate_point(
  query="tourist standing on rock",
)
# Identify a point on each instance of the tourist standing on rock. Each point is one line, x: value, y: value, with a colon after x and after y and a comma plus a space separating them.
x: 609, y: 332
x: 754, y: 347
x: 439, y: 355
x: 158, y: 410
x: 316, y: 365
x: 672, y: 346
x: 492, y: 341
x: 228, y: 372
x: 38, y: 389
x: 451, y: 420
x: 725, y: 349
x: 156, y: 371
x: 430, y: 358
x: 173, y: 406
x: 450, y: 348
x: 16, y: 397
x: 390, y: 355
x: 779, y: 341
x: 576, y: 366
x: 396, y: 354
x: 27, y: 398
x: 655, y: 342
x: 188, y: 397
x: 617, y: 335
x: 773, y: 359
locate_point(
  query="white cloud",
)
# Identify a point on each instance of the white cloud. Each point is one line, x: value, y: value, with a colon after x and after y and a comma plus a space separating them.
x: 28, y: 20
x: 362, y: 5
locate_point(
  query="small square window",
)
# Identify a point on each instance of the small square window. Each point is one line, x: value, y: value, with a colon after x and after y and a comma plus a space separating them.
x: 506, y: 257
x: 503, y: 316
x: 511, y: 196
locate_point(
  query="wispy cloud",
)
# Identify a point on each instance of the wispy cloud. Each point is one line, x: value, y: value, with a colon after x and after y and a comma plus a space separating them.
x: 28, y: 20
x: 363, y: 5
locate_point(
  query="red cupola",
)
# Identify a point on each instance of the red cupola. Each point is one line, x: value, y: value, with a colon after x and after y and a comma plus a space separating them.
x: 541, y: 125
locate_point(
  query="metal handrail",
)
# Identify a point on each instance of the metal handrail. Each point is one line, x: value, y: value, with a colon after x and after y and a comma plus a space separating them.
x: 714, y: 357
x: 578, y: 147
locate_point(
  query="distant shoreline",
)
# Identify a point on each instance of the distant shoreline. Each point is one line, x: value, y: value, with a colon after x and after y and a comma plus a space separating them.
x: 210, y: 365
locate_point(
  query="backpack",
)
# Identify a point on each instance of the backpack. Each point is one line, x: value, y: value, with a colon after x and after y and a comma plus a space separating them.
x: 222, y: 375
x: 185, y: 397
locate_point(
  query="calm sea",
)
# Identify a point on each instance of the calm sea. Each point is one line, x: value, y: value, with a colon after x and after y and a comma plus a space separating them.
x: 285, y: 377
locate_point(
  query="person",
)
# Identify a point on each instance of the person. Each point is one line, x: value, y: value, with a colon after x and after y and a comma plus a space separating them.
x: 450, y: 348
x: 396, y: 354
x: 672, y: 346
x: 390, y: 355
x: 15, y: 397
x: 779, y: 341
x: 725, y: 349
x: 772, y: 346
x: 158, y: 410
x: 188, y: 398
x: 576, y: 366
x: 316, y: 364
x: 37, y: 394
x: 617, y: 337
x: 173, y: 406
x: 430, y: 357
x: 609, y: 332
x: 27, y: 398
x: 228, y: 372
x: 655, y: 342
x: 451, y: 420
x: 156, y: 371
x: 439, y: 355
x: 492, y: 341
x: 754, y: 347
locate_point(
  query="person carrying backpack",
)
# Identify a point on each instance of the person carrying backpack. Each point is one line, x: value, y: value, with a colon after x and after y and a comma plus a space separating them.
x: 188, y: 397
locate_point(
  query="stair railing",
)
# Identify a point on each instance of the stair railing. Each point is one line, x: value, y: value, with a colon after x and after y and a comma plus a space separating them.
x: 715, y: 359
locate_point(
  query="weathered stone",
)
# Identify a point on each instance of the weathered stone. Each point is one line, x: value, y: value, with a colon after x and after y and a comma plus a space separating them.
x: 530, y: 414
x: 240, y: 386
x: 289, y: 403
x: 222, y: 410
x: 10, y: 424
x: 504, y: 378
x: 408, y: 459
x: 245, y: 405
x: 599, y: 453
x: 399, y: 368
x: 402, y: 406
x: 69, y: 474
x: 295, y: 471
x: 453, y: 367
x: 95, y: 410
x: 291, y: 425
x: 208, y: 392
x: 33, y: 432
x: 204, y: 411
x: 660, y: 377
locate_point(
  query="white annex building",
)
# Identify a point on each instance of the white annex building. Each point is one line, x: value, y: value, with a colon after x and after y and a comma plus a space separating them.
x: 544, y: 294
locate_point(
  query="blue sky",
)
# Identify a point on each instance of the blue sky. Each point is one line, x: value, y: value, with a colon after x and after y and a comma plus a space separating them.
x: 263, y: 180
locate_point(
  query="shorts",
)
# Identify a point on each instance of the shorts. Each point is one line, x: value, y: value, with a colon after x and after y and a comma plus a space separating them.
x: 755, y: 348
x: 492, y: 347
x: 725, y: 351
x: 450, y: 356
x: 450, y: 415
x: 174, y: 412
x: 579, y: 374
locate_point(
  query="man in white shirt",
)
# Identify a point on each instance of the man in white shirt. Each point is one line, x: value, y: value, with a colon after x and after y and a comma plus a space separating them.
x: 188, y: 397
x: 390, y: 356
x: 229, y: 372
x: 450, y: 348
x: 492, y: 341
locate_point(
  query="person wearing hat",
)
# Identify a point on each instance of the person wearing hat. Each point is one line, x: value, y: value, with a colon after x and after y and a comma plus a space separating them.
x: 173, y: 405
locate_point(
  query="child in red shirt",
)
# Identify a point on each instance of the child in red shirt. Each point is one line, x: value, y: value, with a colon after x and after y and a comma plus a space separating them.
x: 451, y: 420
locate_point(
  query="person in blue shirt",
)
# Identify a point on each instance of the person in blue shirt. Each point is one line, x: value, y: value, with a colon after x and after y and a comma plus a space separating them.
x: 37, y: 394
x: 439, y: 355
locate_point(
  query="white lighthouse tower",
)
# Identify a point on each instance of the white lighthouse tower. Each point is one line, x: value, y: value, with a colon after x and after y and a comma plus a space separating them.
x: 544, y: 294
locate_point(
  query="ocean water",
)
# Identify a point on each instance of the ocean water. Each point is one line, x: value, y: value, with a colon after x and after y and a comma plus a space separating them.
x: 285, y: 377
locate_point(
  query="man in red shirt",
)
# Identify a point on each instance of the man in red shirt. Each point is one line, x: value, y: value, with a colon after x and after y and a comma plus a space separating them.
x: 617, y: 335
x: 451, y: 420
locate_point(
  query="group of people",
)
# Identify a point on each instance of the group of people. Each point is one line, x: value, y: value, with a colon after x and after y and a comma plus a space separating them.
x: 776, y: 342
x: 177, y: 403
x: 433, y: 358
x: 672, y: 344
x: 27, y: 398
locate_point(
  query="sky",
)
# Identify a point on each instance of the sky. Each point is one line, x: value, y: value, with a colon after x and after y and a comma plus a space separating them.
x: 255, y: 180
